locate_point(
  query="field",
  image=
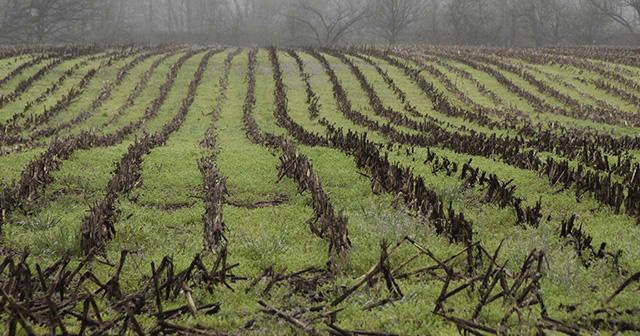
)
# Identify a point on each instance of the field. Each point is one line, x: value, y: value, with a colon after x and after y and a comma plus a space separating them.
x: 363, y: 191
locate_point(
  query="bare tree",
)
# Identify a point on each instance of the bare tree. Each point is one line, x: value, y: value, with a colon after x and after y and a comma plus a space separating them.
x: 432, y: 24
x: 474, y: 21
x: 50, y: 20
x: 623, y: 12
x: 390, y: 18
x: 585, y: 24
x: 538, y: 20
x: 332, y: 21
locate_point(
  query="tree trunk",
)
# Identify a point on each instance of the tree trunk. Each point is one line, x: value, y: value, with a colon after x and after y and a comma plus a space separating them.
x: 170, y: 16
x: 150, y: 18
x: 121, y: 16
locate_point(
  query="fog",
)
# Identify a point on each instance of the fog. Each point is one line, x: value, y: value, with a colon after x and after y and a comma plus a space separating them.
x: 515, y: 23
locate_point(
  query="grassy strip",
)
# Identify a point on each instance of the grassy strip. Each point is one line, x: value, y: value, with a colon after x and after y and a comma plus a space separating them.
x: 37, y: 174
x: 26, y: 84
x: 547, y: 276
x: 20, y: 69
x: 103, y: 95
x: 262, y: 232
x: 605, y: 190
x: 35, y: 79
x: 151, y: 81
x: 497, y: 192
x: 579, y: 111
x: 581, y: 149
x: 56, y: 85
x: 98, y: 227
x: 214, y: 183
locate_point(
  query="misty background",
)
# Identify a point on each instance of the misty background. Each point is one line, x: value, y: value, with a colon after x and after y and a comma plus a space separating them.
x: 517, y: 23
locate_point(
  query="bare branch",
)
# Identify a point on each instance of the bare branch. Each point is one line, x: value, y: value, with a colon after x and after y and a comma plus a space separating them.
x: 392, y: 17
x: 613, y: 9
x: 329, y: 22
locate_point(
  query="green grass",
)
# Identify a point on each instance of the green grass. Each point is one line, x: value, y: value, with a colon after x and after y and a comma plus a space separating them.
x: 163, y: 215
x: 13, y: 164
x: 39, y: 87
x: 170, y: 173
x: 81, y: 103
x: 11, y: 63
x: 144, y: 100
x: 328, y: 107
x: 10, y: 85
x: 118, y: 97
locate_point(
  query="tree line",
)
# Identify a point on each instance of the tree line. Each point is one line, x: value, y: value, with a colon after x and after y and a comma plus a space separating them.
x: 518, y: 23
